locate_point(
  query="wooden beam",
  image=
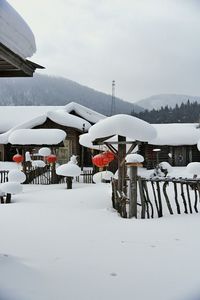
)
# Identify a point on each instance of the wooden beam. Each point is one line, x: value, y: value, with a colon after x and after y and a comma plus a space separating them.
x: 22, y: 67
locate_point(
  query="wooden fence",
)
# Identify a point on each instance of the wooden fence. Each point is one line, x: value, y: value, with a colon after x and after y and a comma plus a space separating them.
x: 160, y: 196
x: 47, y: 175
x: 3, y: 176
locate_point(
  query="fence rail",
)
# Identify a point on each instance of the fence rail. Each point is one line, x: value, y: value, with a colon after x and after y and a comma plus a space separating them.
x: 158, y: 197
x: 47, y: 175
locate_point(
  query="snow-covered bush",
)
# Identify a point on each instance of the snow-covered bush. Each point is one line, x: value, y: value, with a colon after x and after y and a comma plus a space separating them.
x: 161, y: 170
x: 165, y: 167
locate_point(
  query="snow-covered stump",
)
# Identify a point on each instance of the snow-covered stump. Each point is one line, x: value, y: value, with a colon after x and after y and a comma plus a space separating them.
x: 9, y: 188
x: 69, y: 182
x: 69, y: 170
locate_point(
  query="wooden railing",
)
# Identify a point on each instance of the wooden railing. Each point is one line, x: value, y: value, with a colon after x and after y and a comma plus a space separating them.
x: 3, y: 176
x: 158, y: 197
x: 47, y: 175
x: 85, y: 177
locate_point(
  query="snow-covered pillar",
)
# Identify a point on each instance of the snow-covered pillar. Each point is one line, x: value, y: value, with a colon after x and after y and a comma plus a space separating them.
x: 121, y: 165
x: 133, y: 171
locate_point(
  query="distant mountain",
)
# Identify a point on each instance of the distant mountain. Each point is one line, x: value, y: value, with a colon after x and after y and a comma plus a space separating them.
x: 157, y: 101
x: 48, y: 90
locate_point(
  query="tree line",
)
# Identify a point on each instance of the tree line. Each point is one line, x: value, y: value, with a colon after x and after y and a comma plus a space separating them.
x: 188, y: 112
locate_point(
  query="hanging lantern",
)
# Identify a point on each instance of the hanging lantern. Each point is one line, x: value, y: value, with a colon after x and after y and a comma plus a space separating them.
x: 51, y: 158
x: 100, y: 160
x: 18, y: 158
x: 110, y: 156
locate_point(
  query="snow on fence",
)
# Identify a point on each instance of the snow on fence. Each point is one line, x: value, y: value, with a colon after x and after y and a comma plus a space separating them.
x: 160, y: 197
x: 47, y: 175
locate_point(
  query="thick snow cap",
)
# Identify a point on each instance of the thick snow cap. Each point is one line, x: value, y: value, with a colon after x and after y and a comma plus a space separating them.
x: 102, y: 176
x: 14, y: 31
x: 38, y: 163
x: 37, y: 137
x: 86, y: 141
x: 124, y: 125
x: 134, y: 158
x: 70, y: 169
x: 11, y: 187
x: 193, y: 168
x: 65, y: 119
x: 16, y: 176
x: 44, y: 151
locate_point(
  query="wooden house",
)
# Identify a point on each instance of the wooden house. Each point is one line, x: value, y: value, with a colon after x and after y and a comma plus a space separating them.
x: 73, y: 119
x: 175, y: 143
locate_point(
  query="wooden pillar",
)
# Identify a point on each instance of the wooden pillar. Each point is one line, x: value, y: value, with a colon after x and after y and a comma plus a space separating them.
x: 121, y: 167
x: 133, y: 170
x: 69, y: 182
x: 53, y: 173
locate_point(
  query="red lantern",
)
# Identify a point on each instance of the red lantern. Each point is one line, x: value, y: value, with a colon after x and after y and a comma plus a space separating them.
x: 110, y: 156
x: 18, y: 158
x: 100, y: 160
x: 51, y: 158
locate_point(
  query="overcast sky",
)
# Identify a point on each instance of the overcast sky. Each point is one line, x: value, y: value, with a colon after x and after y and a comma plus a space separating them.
x: 147, y: 46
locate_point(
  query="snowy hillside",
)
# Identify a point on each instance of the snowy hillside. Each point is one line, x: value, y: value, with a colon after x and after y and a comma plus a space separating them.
x: 156, y: 101
x: 46, y: 90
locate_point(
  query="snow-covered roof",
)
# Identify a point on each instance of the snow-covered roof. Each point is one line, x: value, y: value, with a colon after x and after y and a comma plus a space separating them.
x: 176, y: 134
x: 36, y: 137
x: 124, y: 125
x: 28, y: 117
x: 86, y: 113
x: 14, y: 31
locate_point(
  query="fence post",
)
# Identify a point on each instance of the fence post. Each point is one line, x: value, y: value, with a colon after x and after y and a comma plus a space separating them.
x: 133, y: 188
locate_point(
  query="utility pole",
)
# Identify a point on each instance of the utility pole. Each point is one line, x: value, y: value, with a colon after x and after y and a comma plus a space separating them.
x: 112, y: 112
x: 82, y: 150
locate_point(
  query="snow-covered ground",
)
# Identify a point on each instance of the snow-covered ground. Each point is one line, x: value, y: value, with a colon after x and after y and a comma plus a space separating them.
x: 70, y: 244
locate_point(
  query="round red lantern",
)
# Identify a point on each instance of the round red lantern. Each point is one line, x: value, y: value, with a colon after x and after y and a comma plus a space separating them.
x: 100, y: 160
x: 110, y: 156
x: 18, y: 158
x: 51, y: 158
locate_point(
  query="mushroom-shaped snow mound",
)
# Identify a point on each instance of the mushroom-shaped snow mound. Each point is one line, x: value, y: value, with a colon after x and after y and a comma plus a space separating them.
x: 44, y: 151
x: 11, y: 187
x: 16, y: 176
x: 134, y: 158
x: 102, y: 176
x: 123, y: 125
x: 38, y: 163
x: 69, y: 170
x: 193, y: 168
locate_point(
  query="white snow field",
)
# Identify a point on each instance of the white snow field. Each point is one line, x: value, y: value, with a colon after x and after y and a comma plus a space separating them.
x: 70, y: 244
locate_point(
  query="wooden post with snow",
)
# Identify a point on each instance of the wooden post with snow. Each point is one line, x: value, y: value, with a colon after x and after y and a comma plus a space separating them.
x: 121, y: 164
x: 133, y: 188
